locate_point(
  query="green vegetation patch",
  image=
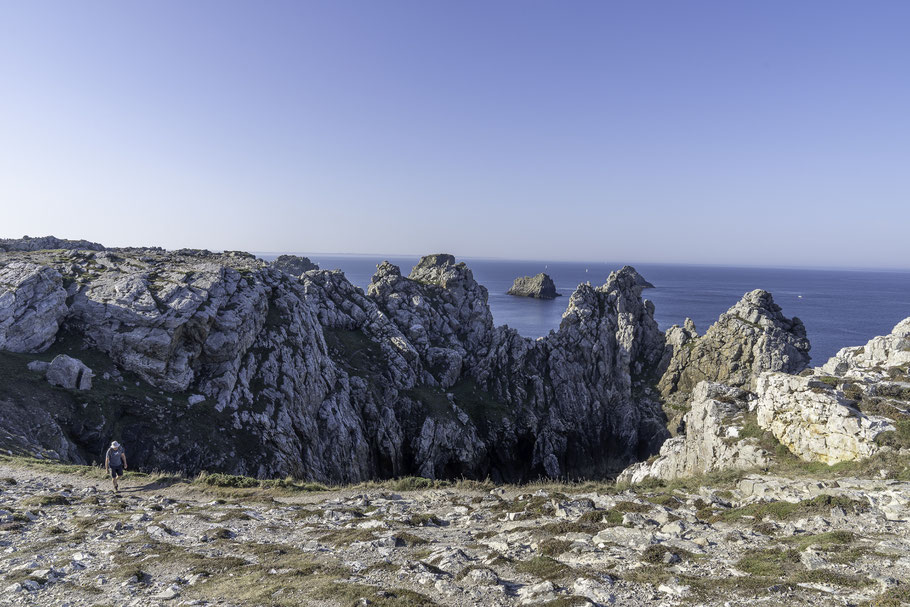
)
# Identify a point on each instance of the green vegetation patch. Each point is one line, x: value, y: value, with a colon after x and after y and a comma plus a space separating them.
x: 544, y: 567
x: 484, y: 409
x: 553, y: 547
x: 46, y: 500
x: 783, y: 511
x: 898, y: 438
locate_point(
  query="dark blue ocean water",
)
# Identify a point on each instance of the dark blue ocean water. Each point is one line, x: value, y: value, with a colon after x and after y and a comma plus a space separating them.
x: 839, y: 307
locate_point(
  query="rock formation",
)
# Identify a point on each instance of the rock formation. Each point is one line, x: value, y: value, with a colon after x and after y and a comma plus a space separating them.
x: 847, y: 409
x: 539, y: 286
x: 251, y: 370
x: 713, y: 441
x: 255, y: 371
x: 751, y: 337
x: 32, y: 306
x: 293, y: 264
x: 854, y: 407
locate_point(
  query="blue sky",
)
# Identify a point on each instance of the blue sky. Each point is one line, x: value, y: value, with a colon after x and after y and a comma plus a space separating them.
x: 760, y: 133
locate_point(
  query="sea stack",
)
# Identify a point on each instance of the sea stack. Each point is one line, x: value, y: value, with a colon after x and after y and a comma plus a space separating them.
x: 293, y: 264
x: 540, y: 287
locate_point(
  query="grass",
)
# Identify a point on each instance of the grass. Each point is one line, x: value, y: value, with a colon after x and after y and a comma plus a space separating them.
x: 231, y: 481
x: 893, y: 597
x: 898, y: 438
x: 46, y: 500
x: 647, y: 574
x: 820, y: 540
x: 784, y: 564
x: 770, y: 562
x: 785, y: 511
x: 344, y: 537
x: 553, y: 547
x: 410, y: 540
x: 545, y: 568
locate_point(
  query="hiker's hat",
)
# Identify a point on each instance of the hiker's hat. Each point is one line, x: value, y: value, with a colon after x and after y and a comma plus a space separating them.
x: 115, y: 444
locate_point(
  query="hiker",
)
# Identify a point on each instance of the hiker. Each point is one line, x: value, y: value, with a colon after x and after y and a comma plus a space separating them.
x: 115, y: 462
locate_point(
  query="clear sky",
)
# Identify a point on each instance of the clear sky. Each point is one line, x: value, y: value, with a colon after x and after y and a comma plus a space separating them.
x: 761, y: 133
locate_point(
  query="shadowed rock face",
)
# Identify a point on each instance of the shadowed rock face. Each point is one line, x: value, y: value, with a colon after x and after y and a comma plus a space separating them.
x: 540, y: 286
x: 311, y: 377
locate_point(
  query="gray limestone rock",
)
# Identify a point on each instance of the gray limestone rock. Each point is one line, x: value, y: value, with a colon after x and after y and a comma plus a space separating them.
x: 815, y: 421
x: 539, y: 286
x: 311, y: 377
x: 715, y: 420
x: 837, y: 412
x: 32, y: 306
x: 68, y: 372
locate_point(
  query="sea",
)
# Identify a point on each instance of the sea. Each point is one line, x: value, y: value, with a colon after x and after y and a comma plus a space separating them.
x: 840, y: 308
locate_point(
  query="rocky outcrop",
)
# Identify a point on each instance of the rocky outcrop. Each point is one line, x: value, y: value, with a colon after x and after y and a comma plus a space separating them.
x: 30, y: 243
x: 68, y: 372
x: 293, y: 264
x: 539, y: 286
x: 815, y: 421
x: 847, y: 409
x: 751, y: 337
x: 32, y: 306
x: 881, y: 353
x: 254, y: 371
x: 714, y: 440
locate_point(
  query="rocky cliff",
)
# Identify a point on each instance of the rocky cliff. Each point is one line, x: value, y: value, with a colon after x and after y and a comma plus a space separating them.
x: 855, y: 407
x: 219, y: 361
x: 851, y: 408
x: 715, y: 439
x: 751, y: 337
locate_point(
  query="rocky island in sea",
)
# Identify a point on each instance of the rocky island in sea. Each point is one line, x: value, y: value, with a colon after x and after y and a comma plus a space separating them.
x: 402, y: 425
x: 539, y: 286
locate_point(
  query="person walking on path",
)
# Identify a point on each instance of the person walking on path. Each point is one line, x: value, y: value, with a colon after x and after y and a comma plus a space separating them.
x: 115, y: 462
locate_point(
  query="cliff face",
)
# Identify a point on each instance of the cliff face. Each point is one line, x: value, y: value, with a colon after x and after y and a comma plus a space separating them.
x: 220, y: 362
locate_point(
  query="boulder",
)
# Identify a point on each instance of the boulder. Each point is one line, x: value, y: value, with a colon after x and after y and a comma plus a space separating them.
x: 890, y: 351
x: 539, y: 286
x: 68, y: 372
